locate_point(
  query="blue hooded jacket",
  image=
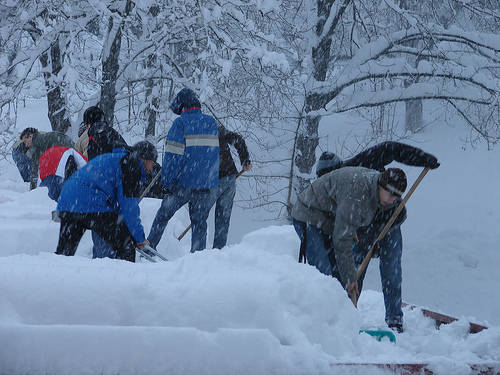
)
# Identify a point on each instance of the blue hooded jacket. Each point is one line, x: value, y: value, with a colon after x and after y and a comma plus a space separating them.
x: 192, y: 146
x: 109, y: 182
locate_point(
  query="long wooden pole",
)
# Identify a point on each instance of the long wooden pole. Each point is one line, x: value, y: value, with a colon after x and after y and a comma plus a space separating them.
x: 150, y: 185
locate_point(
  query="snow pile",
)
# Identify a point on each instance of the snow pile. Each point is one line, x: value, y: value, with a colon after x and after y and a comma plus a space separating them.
x: 249, y: 308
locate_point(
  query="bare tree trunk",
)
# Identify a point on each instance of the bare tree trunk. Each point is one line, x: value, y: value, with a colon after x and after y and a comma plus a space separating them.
x: 305, y: 157
x: 308, y: 138
x: 55, y: 97
x: 151, y: 125
x: 152, y: 105
x: 110, y: 65
x: 414, y: 113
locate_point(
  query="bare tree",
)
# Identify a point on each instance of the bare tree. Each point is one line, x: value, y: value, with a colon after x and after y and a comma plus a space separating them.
x: 110, y: 57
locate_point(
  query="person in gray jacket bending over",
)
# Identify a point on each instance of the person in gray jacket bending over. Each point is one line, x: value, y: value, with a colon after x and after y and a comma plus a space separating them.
x: 328, y: 213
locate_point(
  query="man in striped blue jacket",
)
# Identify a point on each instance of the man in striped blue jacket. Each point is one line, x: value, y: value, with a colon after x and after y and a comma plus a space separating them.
x: 190, y: 169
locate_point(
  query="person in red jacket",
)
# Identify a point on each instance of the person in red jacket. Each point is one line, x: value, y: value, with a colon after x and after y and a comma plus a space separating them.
x: 56, y: 165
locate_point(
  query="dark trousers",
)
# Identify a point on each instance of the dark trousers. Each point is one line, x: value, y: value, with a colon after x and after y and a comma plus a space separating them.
x: 223, y: 207
x: 108, y: 225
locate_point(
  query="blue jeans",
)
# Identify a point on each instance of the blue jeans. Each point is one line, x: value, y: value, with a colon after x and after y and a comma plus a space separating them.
x: 391, y: 249
x: 318, y: 254
x: 316, y: 246
x: 23, y: 162
x: 54, y: 184
x: 101, y: 248
x: 391, y: 275
x: 200, y: 202
x: 223, y: 207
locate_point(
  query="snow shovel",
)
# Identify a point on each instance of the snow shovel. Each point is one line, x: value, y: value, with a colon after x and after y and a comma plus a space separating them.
x: 150, y: 253
x: 384, y: 231
x: 379, y: 335
x: 181, y: 236
x: 155, y: 253
x: 145, y: 255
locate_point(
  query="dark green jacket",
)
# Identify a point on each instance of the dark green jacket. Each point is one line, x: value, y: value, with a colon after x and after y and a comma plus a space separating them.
x: 339, y: 203
x: 41, y: 143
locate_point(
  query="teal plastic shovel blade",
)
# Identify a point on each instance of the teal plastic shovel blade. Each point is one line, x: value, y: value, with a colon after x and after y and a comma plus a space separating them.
x: 380, y: 334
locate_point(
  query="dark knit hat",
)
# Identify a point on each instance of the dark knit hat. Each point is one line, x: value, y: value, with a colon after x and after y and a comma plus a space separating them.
x: 328, y: 161
x: 393, y: 180
x: 92, y: 115
x: 146, y: 150
x: 185, y: 99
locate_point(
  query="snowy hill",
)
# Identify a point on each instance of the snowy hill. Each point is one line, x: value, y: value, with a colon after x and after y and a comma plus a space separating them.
x: 251, y: 308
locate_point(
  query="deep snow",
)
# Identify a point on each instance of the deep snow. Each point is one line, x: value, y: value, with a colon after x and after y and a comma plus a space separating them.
x: 251, y: 308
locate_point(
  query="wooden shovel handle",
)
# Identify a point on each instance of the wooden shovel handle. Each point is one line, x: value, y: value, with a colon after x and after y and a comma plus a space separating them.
x: 384, y: 231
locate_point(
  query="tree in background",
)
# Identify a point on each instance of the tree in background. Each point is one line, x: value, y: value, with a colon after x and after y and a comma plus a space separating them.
x: 269, y: 69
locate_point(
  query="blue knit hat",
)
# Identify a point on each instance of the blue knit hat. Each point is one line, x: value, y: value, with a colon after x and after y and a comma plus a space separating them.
x: 186, y: 98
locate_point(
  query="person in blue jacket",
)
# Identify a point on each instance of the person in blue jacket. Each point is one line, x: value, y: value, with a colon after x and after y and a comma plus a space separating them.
x: 190, y: 169
x: 103, y: 196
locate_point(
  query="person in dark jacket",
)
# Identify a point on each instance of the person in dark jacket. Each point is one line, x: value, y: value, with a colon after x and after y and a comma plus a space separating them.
x: 91, y: 115
x: 190, y: 168
x: 41, y: 142
x: 227, y: 182
x: 389, y: 249
x: 105, y: 141
x: 109, y: 206
x: 157, y: 190
x: 19, y: 153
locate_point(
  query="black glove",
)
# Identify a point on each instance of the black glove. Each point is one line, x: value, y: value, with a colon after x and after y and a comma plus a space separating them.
x: 431, y: 161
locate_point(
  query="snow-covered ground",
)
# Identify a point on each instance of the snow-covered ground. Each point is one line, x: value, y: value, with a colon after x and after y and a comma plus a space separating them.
x: 251, y: 308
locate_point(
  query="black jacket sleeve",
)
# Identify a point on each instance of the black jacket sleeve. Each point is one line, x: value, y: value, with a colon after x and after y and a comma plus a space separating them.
x: 377, y: 157
x: 131, y: 176
x: 237, y: 141
x: 128, y: 195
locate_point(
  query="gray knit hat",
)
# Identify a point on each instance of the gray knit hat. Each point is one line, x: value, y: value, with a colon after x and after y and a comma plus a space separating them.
x: 328, y: 161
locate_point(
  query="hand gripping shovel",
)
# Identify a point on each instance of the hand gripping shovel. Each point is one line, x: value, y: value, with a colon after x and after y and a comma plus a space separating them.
x: 149, y: 253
